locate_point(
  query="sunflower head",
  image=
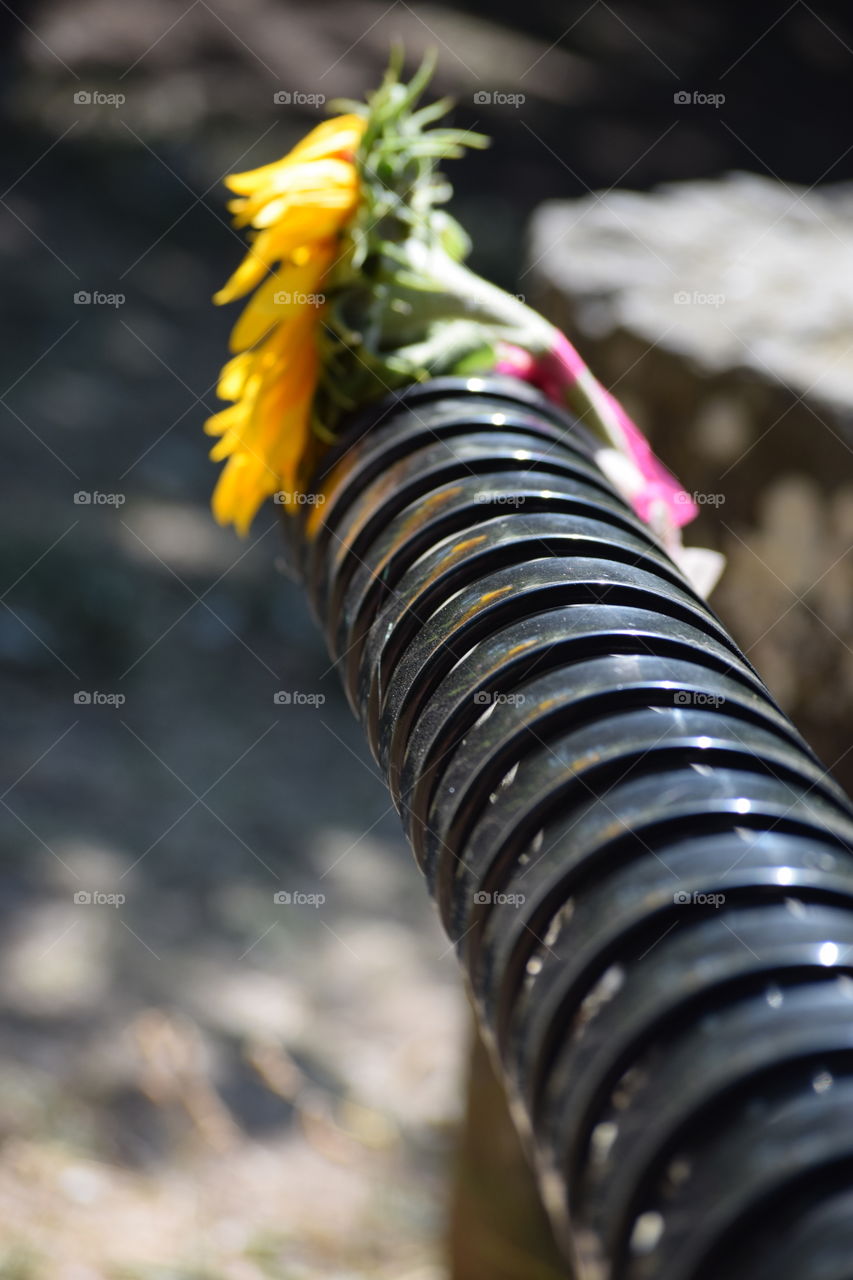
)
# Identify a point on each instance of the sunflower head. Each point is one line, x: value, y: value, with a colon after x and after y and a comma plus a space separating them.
x: 331, y: 311
x: 295, y: 209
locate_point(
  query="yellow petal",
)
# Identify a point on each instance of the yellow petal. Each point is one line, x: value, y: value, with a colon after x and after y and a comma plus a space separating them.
x: 268, y: 205
x: 269, y: 305
x: 341, y: 134
x: 298, y: 205
x: 274, y: 433
x: 231, y: 441
x: 303, y: 226
x: 244, y: 483
x: 234, y: 375
x: 279, y: 298
x: 282, y: 208
x: 250, y: 273
x: 314, y: 176
x: 225, y: 419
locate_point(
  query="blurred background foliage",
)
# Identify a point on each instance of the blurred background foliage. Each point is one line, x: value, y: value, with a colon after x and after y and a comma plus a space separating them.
x: 202, y: 1083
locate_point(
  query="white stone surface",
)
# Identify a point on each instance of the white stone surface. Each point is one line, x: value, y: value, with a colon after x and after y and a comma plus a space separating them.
x: 741, y: 271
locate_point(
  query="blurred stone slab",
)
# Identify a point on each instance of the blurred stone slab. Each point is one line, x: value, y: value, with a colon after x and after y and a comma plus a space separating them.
x: 721, y: 314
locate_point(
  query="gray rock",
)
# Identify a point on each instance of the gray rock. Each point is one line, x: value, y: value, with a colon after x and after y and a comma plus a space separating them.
x: 721, y: 313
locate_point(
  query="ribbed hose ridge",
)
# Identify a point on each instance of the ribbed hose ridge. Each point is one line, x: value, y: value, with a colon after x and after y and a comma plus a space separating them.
x: 646, y: 872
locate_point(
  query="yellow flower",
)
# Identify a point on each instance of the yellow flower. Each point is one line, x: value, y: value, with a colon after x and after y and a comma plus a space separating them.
x: 297, y: 207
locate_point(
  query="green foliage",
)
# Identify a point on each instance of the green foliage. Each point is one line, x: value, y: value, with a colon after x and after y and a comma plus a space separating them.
x: 388, y: 323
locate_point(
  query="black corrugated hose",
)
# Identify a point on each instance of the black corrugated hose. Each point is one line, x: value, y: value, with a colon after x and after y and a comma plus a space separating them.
x: 645, y: 871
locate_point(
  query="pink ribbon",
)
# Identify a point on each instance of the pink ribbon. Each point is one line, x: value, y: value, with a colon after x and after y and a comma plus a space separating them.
x: 556, y: 373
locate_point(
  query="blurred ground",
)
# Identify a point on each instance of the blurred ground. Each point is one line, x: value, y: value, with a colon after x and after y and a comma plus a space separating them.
x: 202, y: 1082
